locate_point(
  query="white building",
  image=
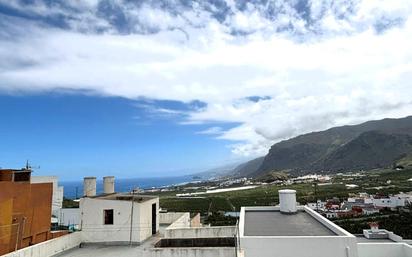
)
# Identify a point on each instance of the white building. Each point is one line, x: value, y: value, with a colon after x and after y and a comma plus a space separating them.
x: 394, y: 201
x: 369, y: 211
x: 331, y: 214
x: 292, y: 231
x: 319, y: 205
x: 116, y: 218
x: 57, y: 198
x: 69, y: 217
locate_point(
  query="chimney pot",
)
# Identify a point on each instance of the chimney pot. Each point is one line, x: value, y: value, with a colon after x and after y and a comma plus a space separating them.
x: 108, y: 184
x: 287, y: 199
x: 89, y: 186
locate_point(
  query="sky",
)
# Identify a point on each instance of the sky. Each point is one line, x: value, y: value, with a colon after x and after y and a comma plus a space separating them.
x: 156, y: 88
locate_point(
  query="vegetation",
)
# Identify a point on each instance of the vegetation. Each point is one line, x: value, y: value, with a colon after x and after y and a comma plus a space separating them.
x: 218, y: 219
x: 185, y: 204
x: 69, y: 203
x: 400, y: 223
x: 370, y: 182
x: 273, y: 176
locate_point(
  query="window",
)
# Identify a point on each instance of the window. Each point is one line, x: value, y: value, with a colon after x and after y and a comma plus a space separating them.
x: 108, y: 217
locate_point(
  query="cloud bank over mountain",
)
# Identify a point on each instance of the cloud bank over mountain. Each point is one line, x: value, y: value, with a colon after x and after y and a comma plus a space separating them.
x: 276, y: 69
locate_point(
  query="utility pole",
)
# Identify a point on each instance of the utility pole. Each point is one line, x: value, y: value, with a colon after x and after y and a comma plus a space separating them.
x: 131, y: 219
x: 316, y: 195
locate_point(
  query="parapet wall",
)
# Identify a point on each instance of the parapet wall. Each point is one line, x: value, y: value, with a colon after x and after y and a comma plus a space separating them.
x: 191, y: 252
x: 181, y: 220
x: 50, y: 247
x: 384, y: 250
x: 195, y: 221
x: 202, y: 232
x: 170, y: 217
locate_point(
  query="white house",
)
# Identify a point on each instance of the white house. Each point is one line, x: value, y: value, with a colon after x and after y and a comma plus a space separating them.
x: 117, y: 218
x: 319, y: 205
x: 292, y: 231
x: 393, y: 201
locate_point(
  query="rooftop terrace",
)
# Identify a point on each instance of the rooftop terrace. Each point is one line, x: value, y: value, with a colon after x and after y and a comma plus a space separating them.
x: 125, y: 197
x: 275, y: 223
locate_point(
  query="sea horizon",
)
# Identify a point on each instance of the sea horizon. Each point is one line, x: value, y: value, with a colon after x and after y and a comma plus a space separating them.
x: 124, y: 184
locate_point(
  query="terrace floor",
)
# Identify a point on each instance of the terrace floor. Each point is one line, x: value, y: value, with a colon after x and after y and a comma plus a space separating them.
x: 274, y: 223
x: 110, y: 250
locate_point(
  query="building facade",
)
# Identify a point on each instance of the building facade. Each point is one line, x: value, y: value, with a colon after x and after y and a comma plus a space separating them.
x: 25, y: 210
x: 115, y: 218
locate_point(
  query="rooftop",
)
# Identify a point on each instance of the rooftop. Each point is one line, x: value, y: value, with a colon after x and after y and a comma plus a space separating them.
x: 274, y: 223
x: 125, y: 197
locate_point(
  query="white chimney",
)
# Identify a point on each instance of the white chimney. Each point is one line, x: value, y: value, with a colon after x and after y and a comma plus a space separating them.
x: 89, y: 186
x: 287, y: 199
x: 108, y: 184
x: 374, y: 226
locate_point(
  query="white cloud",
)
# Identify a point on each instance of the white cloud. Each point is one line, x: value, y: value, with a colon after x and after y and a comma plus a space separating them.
x: 344, y: 73
x: 211, y: 131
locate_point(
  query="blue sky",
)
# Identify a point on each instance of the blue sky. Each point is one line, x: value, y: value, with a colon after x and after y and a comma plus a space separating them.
x: 73, y: 135
x: 142, y: 88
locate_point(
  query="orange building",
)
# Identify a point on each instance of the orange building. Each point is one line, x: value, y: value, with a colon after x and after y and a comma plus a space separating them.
x: 25, y: 210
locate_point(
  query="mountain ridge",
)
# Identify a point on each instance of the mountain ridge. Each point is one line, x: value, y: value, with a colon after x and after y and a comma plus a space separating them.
x: 369, y: 145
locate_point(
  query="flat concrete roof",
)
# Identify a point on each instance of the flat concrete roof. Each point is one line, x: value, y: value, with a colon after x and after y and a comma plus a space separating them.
x: 275, y: 223
x: 103, y: 251
x: 126, y: 197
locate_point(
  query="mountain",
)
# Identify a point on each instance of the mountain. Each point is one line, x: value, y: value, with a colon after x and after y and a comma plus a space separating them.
x: 369, y: 145
x: 370, y: 150
x: 247, y: 168
x: 217, y: 172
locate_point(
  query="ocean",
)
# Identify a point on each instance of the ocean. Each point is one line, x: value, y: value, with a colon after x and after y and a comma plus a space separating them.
x: 123, y: 185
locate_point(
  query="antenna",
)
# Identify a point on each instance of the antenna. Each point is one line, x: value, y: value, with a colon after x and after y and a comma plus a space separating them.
x: 30, y: 167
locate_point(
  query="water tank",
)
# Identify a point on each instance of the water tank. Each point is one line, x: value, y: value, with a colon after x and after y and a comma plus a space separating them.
x: 108, y: 184
x: 89, y: 186
x: 287, y: 199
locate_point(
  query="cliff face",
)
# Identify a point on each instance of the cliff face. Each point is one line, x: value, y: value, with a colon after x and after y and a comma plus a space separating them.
x: 369, y: 145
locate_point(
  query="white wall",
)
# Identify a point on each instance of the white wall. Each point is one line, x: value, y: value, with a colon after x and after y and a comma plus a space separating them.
x: 201, y: 232
x: 298, y: 247
x: 69, y: 216
x: 384, y: 250
x: 191, y: 252
x: 50, y: 247
x: 92, y: 220
x: 170, y: 217
x: 57, y: 198
x: 182, y: 222
x: 145, y: 218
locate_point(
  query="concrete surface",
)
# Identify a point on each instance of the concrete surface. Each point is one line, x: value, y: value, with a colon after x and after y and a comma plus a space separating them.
x: 182, y: 222
x: 50, y: 247
x: 170, y: 217
x: 384, y: 250
x: 341, y: 243
x: 275, y: 223
x: 100, y: 250
x: 202, y: 232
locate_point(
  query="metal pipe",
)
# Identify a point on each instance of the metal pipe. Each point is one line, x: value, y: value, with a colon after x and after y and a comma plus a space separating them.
x: 131, y: 219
